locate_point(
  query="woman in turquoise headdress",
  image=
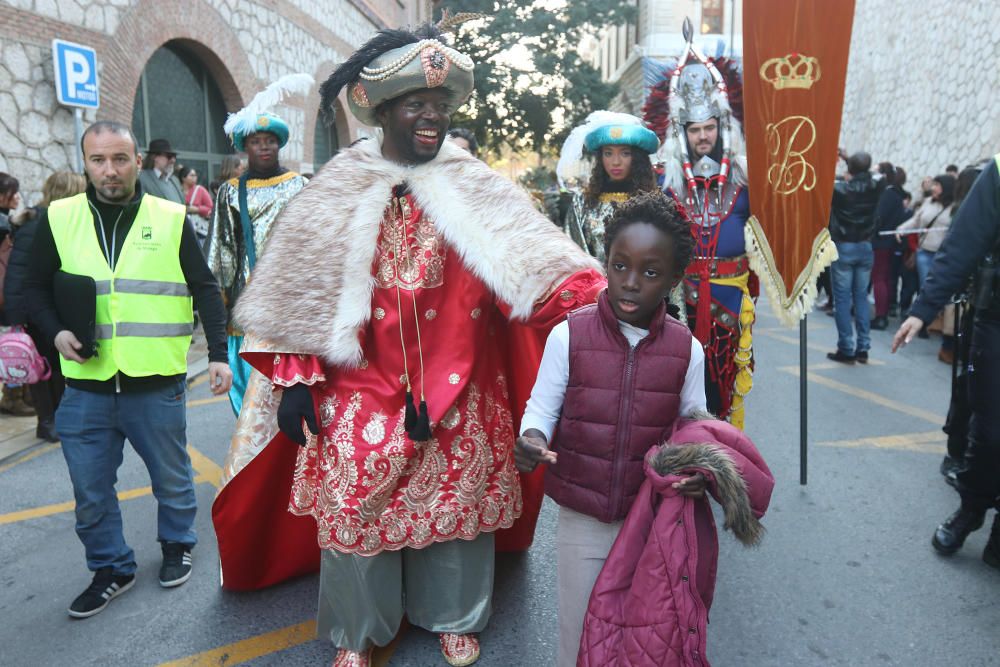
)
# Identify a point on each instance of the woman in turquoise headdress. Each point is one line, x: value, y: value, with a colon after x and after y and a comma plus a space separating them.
x: 621, y: 146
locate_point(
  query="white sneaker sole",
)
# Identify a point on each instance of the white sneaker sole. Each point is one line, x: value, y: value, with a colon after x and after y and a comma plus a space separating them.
x: 94, y: 612
x: 176, y: 582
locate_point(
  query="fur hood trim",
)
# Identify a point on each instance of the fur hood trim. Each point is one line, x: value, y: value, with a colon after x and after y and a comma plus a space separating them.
x: 311, y: 291
x: 731, y: 489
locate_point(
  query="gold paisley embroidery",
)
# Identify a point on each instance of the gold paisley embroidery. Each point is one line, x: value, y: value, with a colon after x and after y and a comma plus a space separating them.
x: 374, y: 432
x: 404, y: 494
x: 420, y: 256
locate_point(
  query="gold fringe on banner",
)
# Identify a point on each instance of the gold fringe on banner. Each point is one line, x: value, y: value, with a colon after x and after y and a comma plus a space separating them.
x: 790, y: 308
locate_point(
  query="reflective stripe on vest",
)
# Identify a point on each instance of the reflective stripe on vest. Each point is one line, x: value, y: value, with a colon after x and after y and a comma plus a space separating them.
x: 144, y: 316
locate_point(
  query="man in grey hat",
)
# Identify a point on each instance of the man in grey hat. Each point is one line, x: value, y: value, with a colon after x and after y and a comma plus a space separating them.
x: 157, y: 176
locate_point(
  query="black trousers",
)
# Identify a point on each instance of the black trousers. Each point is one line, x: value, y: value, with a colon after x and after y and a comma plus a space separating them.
x: 979, y: 483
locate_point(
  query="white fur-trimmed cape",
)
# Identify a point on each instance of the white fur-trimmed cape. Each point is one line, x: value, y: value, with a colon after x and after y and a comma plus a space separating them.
x: 311, y: 291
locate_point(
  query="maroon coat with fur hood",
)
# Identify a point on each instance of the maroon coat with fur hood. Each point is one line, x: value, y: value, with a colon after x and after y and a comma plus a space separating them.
x: 650, y: 604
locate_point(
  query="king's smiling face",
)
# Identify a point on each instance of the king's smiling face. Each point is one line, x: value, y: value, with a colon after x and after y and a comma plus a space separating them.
x: 415, y: 125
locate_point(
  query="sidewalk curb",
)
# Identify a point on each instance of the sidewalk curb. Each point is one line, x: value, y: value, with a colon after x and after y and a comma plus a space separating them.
x: 27, y: 441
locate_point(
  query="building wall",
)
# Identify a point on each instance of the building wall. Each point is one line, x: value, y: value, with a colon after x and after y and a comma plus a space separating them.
x: 657, y: 33
x: 245, y: 44
x: 923, y: 86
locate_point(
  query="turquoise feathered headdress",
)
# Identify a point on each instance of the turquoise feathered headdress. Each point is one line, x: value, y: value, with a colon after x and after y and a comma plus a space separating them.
x: 255, y: 116
x: 622, y: 135
x: 602, y: 128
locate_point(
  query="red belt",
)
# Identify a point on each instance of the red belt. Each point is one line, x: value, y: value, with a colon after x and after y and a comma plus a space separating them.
x: 705, y: 269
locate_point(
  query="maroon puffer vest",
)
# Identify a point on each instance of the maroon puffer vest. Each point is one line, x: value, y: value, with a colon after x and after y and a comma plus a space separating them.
x: 619, y: 402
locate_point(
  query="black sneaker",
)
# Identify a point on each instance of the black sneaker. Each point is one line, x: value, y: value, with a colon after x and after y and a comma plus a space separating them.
x: 861, y: 357
x: 880, y: 324
x: 105, y: 587
x: 176, y: 568
x: 840, y: 357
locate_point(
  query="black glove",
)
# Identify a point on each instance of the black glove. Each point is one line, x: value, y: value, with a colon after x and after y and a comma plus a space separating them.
x: 296, y: 405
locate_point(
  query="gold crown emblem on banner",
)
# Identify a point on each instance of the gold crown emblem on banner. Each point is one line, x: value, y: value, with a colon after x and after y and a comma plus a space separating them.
x: 792, y: 71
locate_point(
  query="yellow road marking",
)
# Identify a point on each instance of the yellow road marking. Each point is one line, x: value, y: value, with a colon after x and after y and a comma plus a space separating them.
x: 791, y: 340
x: 45, y: 449
x: 873, y: 397
x: 59, y: 508
x: 931, y: 442
x: 878, y: 399
x: 249, y: 649
x: 272, y: 642
x: 201, y: 379
x: 207, y: 469
x: 205, y: 401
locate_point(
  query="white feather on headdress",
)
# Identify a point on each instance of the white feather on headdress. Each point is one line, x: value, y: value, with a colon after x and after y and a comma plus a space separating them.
x: 244, y: 121
x: 571, y: 163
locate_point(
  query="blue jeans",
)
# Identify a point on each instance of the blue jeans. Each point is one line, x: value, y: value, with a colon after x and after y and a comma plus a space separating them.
x: 851, y: 274
x: 924, y: 260
x: 93, y: 428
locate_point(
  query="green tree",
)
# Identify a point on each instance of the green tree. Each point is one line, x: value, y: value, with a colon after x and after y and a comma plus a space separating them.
x: 532, y: 86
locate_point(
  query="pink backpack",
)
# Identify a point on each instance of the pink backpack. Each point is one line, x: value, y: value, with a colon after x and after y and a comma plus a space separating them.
x: 20, y: 362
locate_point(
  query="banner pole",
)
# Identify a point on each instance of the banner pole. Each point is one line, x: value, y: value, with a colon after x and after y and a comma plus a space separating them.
x: 803, y: 406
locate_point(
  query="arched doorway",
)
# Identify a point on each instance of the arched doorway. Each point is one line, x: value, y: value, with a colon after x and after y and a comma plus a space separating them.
x: 177, y: 99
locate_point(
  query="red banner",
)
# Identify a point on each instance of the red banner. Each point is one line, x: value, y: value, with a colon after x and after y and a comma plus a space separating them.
x: 795, y: 66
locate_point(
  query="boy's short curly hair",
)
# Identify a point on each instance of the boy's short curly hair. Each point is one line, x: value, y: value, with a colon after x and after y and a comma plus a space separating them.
x: 661, y: 211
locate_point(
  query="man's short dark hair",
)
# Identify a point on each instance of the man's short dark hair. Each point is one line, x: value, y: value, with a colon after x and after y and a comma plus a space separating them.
x: 952, y: 167
x: 859, y: 163
x: 109, y: 126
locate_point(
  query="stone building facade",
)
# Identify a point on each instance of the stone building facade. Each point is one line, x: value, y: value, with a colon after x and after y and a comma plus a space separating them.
x: 923, y: 84
x: 228, y: 49
x: 635, y: 55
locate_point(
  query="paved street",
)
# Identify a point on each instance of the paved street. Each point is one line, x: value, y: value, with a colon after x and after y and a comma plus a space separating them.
x: 845, y: 576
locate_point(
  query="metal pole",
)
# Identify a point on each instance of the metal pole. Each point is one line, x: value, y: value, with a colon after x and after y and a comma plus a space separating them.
x: 78, y: 117
x: 803, y: 406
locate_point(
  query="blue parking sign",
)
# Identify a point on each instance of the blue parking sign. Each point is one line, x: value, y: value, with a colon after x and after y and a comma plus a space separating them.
x: 76, y: 74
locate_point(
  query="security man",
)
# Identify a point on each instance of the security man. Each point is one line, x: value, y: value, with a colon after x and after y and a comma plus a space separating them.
x: 146, y: 265
x: 972, y: 248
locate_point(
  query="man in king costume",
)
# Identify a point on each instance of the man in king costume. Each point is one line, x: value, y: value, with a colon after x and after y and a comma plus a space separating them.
x: 705, y: 171
x: 384, y: 310
x: 245, y: 210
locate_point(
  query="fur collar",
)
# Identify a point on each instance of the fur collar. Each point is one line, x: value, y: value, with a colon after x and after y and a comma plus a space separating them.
x: 311, y: 291
x: 731, y: 489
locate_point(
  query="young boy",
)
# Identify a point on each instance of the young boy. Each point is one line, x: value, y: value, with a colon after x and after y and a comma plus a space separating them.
x: 614, y: 378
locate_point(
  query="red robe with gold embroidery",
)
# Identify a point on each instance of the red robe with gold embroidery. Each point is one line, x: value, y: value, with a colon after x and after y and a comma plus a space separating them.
x: 366, y: 485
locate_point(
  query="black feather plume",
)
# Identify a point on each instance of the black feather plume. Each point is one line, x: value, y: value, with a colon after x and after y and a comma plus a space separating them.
x: 350, y: 70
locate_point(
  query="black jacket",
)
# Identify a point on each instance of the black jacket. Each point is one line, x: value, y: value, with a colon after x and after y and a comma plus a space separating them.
x: 117, y: 221
x: 889, y: 214
x: 15, y: 304
x: 973, y: 234
x: 852, y: 216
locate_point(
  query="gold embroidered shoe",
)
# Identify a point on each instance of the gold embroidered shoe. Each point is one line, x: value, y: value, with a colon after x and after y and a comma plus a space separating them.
x: 347, y: 658
x: 459, y: 650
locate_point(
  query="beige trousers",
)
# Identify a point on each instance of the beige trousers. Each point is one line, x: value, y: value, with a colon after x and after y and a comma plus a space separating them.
x: 582, y: 546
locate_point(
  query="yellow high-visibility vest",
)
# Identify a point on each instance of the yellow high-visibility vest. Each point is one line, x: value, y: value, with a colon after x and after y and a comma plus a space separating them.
x: 144, y: 312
